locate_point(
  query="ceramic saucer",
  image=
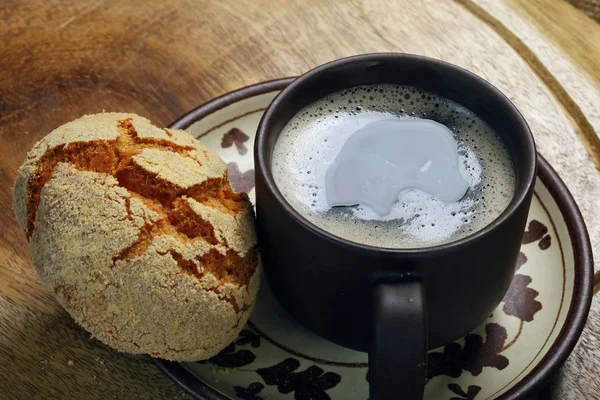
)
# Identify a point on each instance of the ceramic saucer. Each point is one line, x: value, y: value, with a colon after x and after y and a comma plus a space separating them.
x: 510, y: 355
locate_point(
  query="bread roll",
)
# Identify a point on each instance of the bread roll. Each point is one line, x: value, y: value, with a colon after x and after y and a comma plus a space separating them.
x: 138, y: 234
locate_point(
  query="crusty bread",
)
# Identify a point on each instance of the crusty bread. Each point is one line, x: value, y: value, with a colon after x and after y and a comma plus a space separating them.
x: 138, y: 234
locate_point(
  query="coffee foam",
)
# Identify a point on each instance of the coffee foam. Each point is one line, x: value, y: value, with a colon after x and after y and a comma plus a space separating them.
x: 311, y: 140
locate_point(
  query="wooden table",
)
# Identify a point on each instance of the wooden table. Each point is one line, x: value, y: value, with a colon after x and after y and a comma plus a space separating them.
x: 159, y: 59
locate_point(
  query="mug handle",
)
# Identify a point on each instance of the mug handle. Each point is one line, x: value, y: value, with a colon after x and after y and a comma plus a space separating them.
x: 397, y: 360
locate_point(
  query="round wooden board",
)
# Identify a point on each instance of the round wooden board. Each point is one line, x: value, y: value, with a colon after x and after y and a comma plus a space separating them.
x: 160, y: 59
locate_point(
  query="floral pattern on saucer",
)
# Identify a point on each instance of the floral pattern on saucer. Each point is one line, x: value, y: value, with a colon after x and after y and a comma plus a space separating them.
x: 276, y: 358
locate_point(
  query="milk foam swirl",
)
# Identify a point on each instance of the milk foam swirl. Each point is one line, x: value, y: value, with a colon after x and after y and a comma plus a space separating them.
x: 312, y: 139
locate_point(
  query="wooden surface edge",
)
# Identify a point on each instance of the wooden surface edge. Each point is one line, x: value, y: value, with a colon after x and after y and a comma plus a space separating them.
x: 568, y: 28
x: 583, y: 128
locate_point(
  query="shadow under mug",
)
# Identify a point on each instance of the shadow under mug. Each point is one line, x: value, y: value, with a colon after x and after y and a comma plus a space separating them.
x: 392, y: 303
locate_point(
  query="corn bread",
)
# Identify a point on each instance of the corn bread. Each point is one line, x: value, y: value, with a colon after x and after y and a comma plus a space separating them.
x: 138, y: 234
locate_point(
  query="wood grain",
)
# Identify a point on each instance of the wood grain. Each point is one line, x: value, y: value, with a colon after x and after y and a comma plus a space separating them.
x: 160, y: 59
x: 589, y: 7
x: 567, y: 28
x: 583, y: 127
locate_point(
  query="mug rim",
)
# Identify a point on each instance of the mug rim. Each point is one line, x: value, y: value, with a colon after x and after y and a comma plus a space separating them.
x: 520, y: 195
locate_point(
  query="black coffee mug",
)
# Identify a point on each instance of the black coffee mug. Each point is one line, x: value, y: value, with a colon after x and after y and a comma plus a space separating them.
x: 393, y: 303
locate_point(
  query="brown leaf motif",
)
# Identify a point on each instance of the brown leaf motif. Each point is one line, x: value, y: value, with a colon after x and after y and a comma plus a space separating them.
x: 545, y: 242
x: 237, y: 137
x: 521, y: 260
x: 536, y: 231
x: 229, y: 358
x: 478, y: 354
x: 310, y: 384
x: 240, y: 182
x: 449, y: 362
x: 251, y: 392
x: 470, y: 394
x: 520, y: 301
x: 473, y: 356
x: 248, y: 337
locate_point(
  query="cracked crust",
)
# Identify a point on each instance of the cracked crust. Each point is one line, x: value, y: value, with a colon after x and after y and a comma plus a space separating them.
x: 137, y: 232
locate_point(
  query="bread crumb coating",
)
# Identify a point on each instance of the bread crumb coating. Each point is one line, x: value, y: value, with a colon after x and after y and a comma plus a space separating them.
x: 137, y: 232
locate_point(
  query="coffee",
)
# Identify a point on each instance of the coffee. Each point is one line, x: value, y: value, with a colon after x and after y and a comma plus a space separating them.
x: 313, y: 138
